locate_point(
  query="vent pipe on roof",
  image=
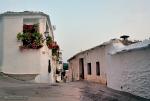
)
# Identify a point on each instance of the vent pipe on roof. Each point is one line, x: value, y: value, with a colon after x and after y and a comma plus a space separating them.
x: 124, y: 37
x: 125, y: 40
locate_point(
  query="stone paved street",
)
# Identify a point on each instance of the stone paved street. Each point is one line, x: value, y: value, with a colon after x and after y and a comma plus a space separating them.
x: 14, y: 90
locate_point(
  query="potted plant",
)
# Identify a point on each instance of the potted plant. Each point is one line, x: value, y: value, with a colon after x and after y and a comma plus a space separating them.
x: 31, y: 40
x: 30, y: 37
x: 49, y: 42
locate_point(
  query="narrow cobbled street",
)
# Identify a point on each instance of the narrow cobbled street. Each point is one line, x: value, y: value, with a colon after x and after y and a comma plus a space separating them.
x: 15, y: 90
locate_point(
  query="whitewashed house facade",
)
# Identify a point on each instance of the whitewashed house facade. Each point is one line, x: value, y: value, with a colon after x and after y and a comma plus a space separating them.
x: 89, y: 65
x: 121, y: 67
x: 26, y: 63
x: 129, y: 68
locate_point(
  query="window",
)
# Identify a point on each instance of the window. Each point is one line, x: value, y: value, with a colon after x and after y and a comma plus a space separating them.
x: 89, y: 68
x: 60, y: 62
x: 31, y: 28
x: 30, y: 25
x: 31, y: 34
x: 97, y: 68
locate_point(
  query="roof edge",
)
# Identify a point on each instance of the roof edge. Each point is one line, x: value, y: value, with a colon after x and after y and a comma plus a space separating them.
x: 9, y: 13
x: 101, y: 45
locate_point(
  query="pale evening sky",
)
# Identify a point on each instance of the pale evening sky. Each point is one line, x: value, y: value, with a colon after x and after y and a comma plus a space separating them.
x: 82, y: 24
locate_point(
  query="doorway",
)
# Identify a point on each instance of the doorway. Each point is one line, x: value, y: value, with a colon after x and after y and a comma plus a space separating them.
x: 49, y: 66
x: 81, y: 68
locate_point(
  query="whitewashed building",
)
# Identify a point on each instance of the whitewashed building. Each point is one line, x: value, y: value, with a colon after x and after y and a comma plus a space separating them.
x: 129, y: 68
x: 121, y: 67
x: 37, y: 65
x: 89, y: 65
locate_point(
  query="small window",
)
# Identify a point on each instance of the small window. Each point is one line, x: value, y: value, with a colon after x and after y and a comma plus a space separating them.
x: 60, y: 62
x: 97, y: 68
x: 89, y: 68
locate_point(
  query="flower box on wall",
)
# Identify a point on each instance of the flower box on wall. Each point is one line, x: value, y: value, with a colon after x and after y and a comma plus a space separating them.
x: 30, y: 37
x: 53, y: 45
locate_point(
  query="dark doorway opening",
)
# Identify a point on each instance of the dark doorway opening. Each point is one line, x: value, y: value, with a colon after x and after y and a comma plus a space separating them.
x: 89, y: 68
x: 81, y: 68
x: 49, y: 66
x: 97, y: 68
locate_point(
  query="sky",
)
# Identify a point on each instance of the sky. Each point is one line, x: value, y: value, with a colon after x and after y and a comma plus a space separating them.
x: 83, y: 24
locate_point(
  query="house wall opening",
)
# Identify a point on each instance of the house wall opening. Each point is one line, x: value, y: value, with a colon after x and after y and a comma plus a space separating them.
x: 89, y: 68
x: 81, y: 68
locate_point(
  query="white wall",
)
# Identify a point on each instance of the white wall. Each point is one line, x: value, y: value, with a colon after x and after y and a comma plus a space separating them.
x: 27, y: 61
x: 44, y: 76
x: 130, y: 72
x: 91, y: 56
x: 73, y: 73
x: 16, y: 61
x: 45, y: 55
x: 1, y: 42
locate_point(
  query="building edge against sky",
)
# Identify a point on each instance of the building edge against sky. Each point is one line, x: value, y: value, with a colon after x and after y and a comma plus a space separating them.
x: 40, y: 63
